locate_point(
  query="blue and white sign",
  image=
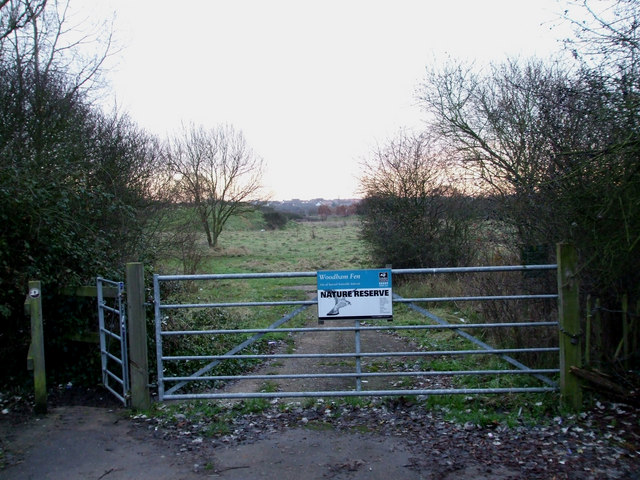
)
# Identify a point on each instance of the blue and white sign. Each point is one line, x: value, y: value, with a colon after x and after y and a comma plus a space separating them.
x: 354, y: 294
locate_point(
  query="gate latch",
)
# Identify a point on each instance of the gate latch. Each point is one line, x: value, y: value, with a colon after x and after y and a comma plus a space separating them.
x: 574, y: 337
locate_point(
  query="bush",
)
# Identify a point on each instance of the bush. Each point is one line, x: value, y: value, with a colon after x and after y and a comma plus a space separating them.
x: 275, y: 220
x: 418, y: 232
x: 412, y: 214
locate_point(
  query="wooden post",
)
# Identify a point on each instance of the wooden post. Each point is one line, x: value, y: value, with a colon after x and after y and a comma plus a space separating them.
x: 137, y: 335
x: 587, y: 338
x: 634, y: 325
x: 570, y: 335
x: 35, y: 358
x: 597, y: 332
x: 625, y: 330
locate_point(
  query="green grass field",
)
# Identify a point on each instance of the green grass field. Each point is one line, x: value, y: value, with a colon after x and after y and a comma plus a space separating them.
x: 246, y: 247
x: 333, y: 244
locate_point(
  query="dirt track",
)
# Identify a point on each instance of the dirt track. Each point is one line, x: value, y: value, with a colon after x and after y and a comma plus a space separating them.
x: 98, y: 443
x: 87, y: 443
x: 337, y: 342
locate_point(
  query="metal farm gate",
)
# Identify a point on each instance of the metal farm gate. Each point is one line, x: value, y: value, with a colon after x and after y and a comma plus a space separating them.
x: 196, y: 377
x: 113, y: 340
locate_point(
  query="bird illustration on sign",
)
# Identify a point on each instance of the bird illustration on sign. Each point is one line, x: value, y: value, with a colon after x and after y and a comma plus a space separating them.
x: 340, y: 303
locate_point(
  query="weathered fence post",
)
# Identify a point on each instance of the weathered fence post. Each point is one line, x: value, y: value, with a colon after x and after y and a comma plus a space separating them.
x: 597, y: 331
x: 587, y: 334
x: 137, y: 328
x: 626, y: 329
x: 569, y: 329
x: 35, y: 357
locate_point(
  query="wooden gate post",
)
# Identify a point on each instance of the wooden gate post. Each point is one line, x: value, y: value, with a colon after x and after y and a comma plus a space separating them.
x: 137, y: 333
x: 35, y: 357
x: 570, y: 336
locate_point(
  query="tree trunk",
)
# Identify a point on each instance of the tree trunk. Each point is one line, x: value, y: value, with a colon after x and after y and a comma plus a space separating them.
x: 207, y: 229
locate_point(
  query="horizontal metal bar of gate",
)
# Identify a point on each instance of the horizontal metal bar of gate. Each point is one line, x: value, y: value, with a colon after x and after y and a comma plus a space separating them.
x: 359, y: 393
x: 110, y: 334
x: 115, y: 359
x: 362, y: 354
x: 429, y: 373
x: 107, y: 308
x: 237, y: 276
x: 403, y: 300
x: 478, y: 342
x: 115, y: 377
x: 395, y: 271
x: 479, y: 298
x: 231, y: 276
x: 482, y: 269
x: 359, y: 375
x: 238, y: 304
x: 364, y: 328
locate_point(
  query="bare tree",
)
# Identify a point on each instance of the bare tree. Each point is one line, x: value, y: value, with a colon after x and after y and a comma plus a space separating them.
x: 510, y: 127
x: 558, y: 144
x: 216, y: 172
x: 559, y: 149
x: 16, y: 14
x: 606, y: 34
x: 413, y: 215
x: 48, y: 42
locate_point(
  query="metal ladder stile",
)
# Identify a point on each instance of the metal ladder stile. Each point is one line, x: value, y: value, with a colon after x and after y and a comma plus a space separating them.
x: 117, y: 382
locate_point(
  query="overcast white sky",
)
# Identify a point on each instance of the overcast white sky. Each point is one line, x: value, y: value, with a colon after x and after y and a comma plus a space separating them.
x: 313, y: 85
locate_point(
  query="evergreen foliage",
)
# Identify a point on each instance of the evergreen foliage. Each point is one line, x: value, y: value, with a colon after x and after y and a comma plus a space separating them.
x: 75, y: 183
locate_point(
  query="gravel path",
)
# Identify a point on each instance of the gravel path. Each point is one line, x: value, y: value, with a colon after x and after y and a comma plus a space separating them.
x: 387, y: 439
x: 603, y: 443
